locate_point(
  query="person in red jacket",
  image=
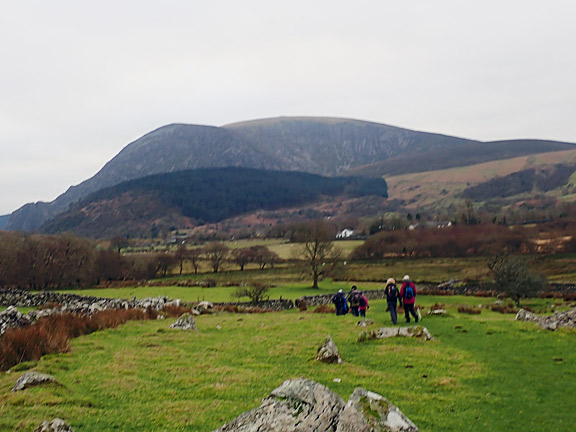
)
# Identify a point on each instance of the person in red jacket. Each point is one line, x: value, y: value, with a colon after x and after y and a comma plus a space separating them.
x: 408, y: 296
x: 363, y: 305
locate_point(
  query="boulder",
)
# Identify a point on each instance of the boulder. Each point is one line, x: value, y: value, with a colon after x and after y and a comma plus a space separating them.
x: 388, y: 332
x: 30, y: 379
x: 304, y: 405
x: 204, y: 305
x: 328, y: 352
x: 365, y: 323
x: 56, y: 425
x: 370, y: 412
x: 184, y: 322
x: 297, y: 405
x: 550, y: 322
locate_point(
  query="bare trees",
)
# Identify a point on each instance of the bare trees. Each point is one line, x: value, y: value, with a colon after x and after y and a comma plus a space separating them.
x: 317, y: 248
x: 216, y: 253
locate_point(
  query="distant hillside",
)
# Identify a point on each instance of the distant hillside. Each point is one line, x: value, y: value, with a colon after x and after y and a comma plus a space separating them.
x: 443, y: 188
x: 467, y: 154
x: 188, y: 198
x: 521, y: 182
x: 324, y: 146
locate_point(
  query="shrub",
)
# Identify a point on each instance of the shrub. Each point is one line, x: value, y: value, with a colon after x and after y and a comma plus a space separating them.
x: 324, y: 309
x: 52, y: 334
x: 469, y: 310
x: 505, y: 309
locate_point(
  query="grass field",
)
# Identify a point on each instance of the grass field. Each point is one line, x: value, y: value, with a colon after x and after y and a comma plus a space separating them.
x: 482, y: 373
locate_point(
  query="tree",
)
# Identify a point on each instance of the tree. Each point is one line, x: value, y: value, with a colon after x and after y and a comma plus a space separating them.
x: 194, y: 257
x: 317, y: 248
x: 243, y: 256
x: 263, y: 255
x: 181, y: 255
x: 514, y: 276
x: 216, y: 253
x: 256, y: 292
x: 118, y: 243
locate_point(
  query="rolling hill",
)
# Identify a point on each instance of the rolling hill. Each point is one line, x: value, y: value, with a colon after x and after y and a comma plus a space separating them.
x: 162, y: 202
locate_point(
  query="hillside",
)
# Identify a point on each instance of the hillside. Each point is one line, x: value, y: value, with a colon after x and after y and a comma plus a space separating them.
x: 462, y: 155
x: 145, y: 206
x: 442, y: 188
x: 324, y: 146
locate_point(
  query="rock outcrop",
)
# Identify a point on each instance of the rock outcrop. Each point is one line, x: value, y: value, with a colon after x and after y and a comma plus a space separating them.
x: 31, y: 379
x: 549, y: 322
x: 185, y: 322
x: 328, y: 352
x: 388, y: 332
x: 304, y: 405
x: 56, y: 425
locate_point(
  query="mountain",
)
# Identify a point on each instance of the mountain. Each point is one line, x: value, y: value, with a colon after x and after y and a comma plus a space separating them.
x: 3, y: 221
x: 189, y: 198
x: 324, y: 146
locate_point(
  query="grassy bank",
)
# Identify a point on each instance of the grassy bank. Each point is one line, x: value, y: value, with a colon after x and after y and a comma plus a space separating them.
x: 482, y: 373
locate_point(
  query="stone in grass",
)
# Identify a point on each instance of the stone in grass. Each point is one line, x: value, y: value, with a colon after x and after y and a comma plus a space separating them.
x: 184, y: 322
x: 31, y: 379
x: 388, y: 332
x: 328, y: 352
x: 304, y: 405
x: 56, y: 425
x: 370, y: 412
x: 365, y: 323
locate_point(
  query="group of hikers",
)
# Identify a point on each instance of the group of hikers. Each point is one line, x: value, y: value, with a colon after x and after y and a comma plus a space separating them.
x: 357, y: 303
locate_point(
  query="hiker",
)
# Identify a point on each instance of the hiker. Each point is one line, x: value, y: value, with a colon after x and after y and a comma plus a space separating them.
x: 354, y: 300
x: 408, y: 298
x: 363, y: 304
x: 340, y: 302
x: 392, y: 297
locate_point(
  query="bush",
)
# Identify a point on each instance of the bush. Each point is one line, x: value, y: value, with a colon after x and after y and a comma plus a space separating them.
x: 471, y: 310
x: 324, y: 309
x: 52, y: 334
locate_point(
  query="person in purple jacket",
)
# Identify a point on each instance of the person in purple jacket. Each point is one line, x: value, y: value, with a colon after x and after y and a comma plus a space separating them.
x: 408, y: 296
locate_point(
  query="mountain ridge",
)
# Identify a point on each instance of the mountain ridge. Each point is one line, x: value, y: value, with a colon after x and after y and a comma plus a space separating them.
x: 328, y: 146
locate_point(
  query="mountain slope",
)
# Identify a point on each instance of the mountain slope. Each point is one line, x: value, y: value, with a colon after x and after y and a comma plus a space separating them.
x: 462, y: 155
x: 324, y: 146
x: 192, y: 197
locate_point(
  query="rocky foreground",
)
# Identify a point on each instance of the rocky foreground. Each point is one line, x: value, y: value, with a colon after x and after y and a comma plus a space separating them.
x: 304, y: 405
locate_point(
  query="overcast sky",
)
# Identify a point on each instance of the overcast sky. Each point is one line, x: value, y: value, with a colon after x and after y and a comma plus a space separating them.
x: 80, y: 80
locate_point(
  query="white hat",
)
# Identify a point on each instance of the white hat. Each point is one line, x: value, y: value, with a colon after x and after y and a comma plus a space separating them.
x: 390, y: 281
x: 339, y: 291
x: 406, y: 278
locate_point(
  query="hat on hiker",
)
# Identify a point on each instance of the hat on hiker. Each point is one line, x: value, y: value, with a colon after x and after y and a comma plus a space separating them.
x: 390, y: 281
x: 339, y: 291
x: 406, y: 278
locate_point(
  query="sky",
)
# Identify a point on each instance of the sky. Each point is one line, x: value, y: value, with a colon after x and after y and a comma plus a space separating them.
x: 80, y: 80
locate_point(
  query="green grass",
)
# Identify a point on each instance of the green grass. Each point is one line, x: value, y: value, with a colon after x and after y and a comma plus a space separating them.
x: 482, y: 373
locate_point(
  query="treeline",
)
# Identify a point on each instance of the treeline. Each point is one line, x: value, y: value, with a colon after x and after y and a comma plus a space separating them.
x: 40, y: 262
x: 454, y: 241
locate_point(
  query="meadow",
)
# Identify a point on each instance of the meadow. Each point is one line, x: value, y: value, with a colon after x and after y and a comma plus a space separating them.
x: 482, y: 372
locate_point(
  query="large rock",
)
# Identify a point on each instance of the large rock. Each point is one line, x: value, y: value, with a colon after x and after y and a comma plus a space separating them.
x: 328, y: 352
x: 550, y: 322
x: 370, y: 412
x: 388, y: 332
x: 31, y: 379
x: 185, y: 322
x: 56, y: 425
x: 304, y: 405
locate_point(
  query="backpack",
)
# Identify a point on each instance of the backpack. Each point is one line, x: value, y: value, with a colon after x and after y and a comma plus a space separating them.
x: 393, y: 292
x: 408, y: 292
x: 355, y: 297
x: 362, y: 301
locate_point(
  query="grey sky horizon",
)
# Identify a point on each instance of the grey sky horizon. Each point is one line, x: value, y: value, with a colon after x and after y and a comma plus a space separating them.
x: 81, y: 80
